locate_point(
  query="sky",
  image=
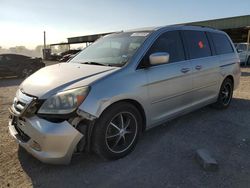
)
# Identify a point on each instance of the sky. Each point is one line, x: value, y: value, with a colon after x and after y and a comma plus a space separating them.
x: 22, y: 22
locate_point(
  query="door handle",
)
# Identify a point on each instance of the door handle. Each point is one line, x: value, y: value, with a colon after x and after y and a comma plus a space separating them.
x: 185, y: 70
x: 198, y: 67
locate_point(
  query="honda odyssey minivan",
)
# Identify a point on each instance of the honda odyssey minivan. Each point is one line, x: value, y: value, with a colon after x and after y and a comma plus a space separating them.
x: 118, y: 87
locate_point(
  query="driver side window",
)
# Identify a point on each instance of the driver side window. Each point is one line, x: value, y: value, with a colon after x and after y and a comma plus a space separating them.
x: 169, y: 42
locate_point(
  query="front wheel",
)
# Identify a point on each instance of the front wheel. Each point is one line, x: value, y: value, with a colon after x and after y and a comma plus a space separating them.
x: 225, y: 95
x: 117, y: 130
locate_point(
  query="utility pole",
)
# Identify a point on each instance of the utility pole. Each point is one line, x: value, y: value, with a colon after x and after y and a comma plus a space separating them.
x: 44, y: 40
x: 44, y: 45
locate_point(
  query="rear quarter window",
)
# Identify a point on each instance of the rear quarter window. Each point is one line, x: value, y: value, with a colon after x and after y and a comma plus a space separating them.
x: 221, y: 43
x: 197, y: 44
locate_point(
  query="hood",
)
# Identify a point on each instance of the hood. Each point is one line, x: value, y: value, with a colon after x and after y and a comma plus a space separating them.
x: 51, y: 79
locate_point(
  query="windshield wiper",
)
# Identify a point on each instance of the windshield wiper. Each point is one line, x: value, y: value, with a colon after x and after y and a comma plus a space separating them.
x: 104, y: 64
x: 94, y: 63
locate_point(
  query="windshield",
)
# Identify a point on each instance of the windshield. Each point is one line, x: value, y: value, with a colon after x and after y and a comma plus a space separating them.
x: 112, y: 50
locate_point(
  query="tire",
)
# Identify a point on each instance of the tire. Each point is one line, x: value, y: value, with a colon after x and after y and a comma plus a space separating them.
x: 225, y: 95
x: 110, y: 140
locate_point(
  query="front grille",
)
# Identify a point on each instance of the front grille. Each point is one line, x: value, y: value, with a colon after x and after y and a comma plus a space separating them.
x: 21, y: 103
x: 21, y: 135
x: 18, y: 105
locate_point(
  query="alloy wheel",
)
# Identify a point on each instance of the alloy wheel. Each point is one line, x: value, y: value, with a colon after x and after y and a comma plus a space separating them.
x: 226, y: 94
x: 121, y: 132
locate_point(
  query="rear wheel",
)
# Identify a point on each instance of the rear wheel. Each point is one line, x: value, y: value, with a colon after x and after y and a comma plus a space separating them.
x: 116, y: 132
x: 225, y: 95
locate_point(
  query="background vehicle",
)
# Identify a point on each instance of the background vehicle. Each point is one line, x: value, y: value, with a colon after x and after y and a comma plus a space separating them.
x: 68, y: 55
x: 54, y: 57
x: 121, y: 85
x: 19, y: 65
x: 63, y: 56
x: 244, y: 55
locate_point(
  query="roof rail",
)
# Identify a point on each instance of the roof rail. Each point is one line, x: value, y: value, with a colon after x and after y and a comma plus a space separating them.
x: 197, y: 25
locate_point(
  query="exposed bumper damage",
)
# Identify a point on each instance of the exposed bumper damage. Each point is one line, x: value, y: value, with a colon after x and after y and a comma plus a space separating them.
x: 52, y: 142
x: 47, y: 141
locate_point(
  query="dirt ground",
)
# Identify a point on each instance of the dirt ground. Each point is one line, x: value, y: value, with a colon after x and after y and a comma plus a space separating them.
x: 164, y: 157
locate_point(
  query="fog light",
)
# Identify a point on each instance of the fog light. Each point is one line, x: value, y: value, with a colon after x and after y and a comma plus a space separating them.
x: 35, y: 146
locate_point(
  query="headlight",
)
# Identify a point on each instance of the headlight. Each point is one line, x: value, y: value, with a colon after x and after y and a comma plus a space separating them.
x: 64, y: 102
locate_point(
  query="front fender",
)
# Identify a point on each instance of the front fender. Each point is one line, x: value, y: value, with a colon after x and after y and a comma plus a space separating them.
x: 118, y: 87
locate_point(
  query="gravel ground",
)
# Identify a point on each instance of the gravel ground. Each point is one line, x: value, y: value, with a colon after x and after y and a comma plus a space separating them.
x: 164, y: 157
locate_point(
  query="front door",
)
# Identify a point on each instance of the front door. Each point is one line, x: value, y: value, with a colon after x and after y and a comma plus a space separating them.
x: 170, y: 84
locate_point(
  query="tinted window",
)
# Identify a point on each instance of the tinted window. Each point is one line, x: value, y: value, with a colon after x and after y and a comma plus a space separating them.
x: 3, y: 59
x: 221, y: 43
x: 197, y: 44
x: 8, y: 58
x: 171, y: 43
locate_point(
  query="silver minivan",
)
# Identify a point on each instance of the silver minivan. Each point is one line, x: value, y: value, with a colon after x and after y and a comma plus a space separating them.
x: 118, y: 87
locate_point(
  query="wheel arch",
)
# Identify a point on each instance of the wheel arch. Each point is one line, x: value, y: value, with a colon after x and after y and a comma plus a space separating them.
x: 135, y: 104
x: 231, y: 78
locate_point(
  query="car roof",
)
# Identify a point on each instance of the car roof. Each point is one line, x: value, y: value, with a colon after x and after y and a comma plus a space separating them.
x: 10, y: 54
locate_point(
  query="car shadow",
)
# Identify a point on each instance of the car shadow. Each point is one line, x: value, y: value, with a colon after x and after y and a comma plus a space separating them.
x: 164, y: 156
x: 11, y: 81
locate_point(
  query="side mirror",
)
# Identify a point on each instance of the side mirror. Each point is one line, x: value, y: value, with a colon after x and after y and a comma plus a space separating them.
x: 239, y: 51
x: 159, y: 58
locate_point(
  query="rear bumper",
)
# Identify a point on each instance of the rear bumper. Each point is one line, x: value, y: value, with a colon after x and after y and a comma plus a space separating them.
x: 49, y: 142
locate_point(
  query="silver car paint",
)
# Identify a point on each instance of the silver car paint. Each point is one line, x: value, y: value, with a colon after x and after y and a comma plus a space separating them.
x: 164, y: 91
x: 46, y: 82
x: 160, y: 103
x: 57, y: 140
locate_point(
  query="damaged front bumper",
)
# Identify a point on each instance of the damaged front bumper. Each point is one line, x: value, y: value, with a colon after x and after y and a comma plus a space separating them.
x: 47, y: 141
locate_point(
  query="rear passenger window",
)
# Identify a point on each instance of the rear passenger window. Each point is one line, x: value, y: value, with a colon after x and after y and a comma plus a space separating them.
x: 171, y: 43
x: 197, y: 44
x: 221, y: 43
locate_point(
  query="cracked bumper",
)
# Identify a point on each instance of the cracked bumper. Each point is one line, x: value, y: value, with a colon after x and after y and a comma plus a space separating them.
x: 49, y: 142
